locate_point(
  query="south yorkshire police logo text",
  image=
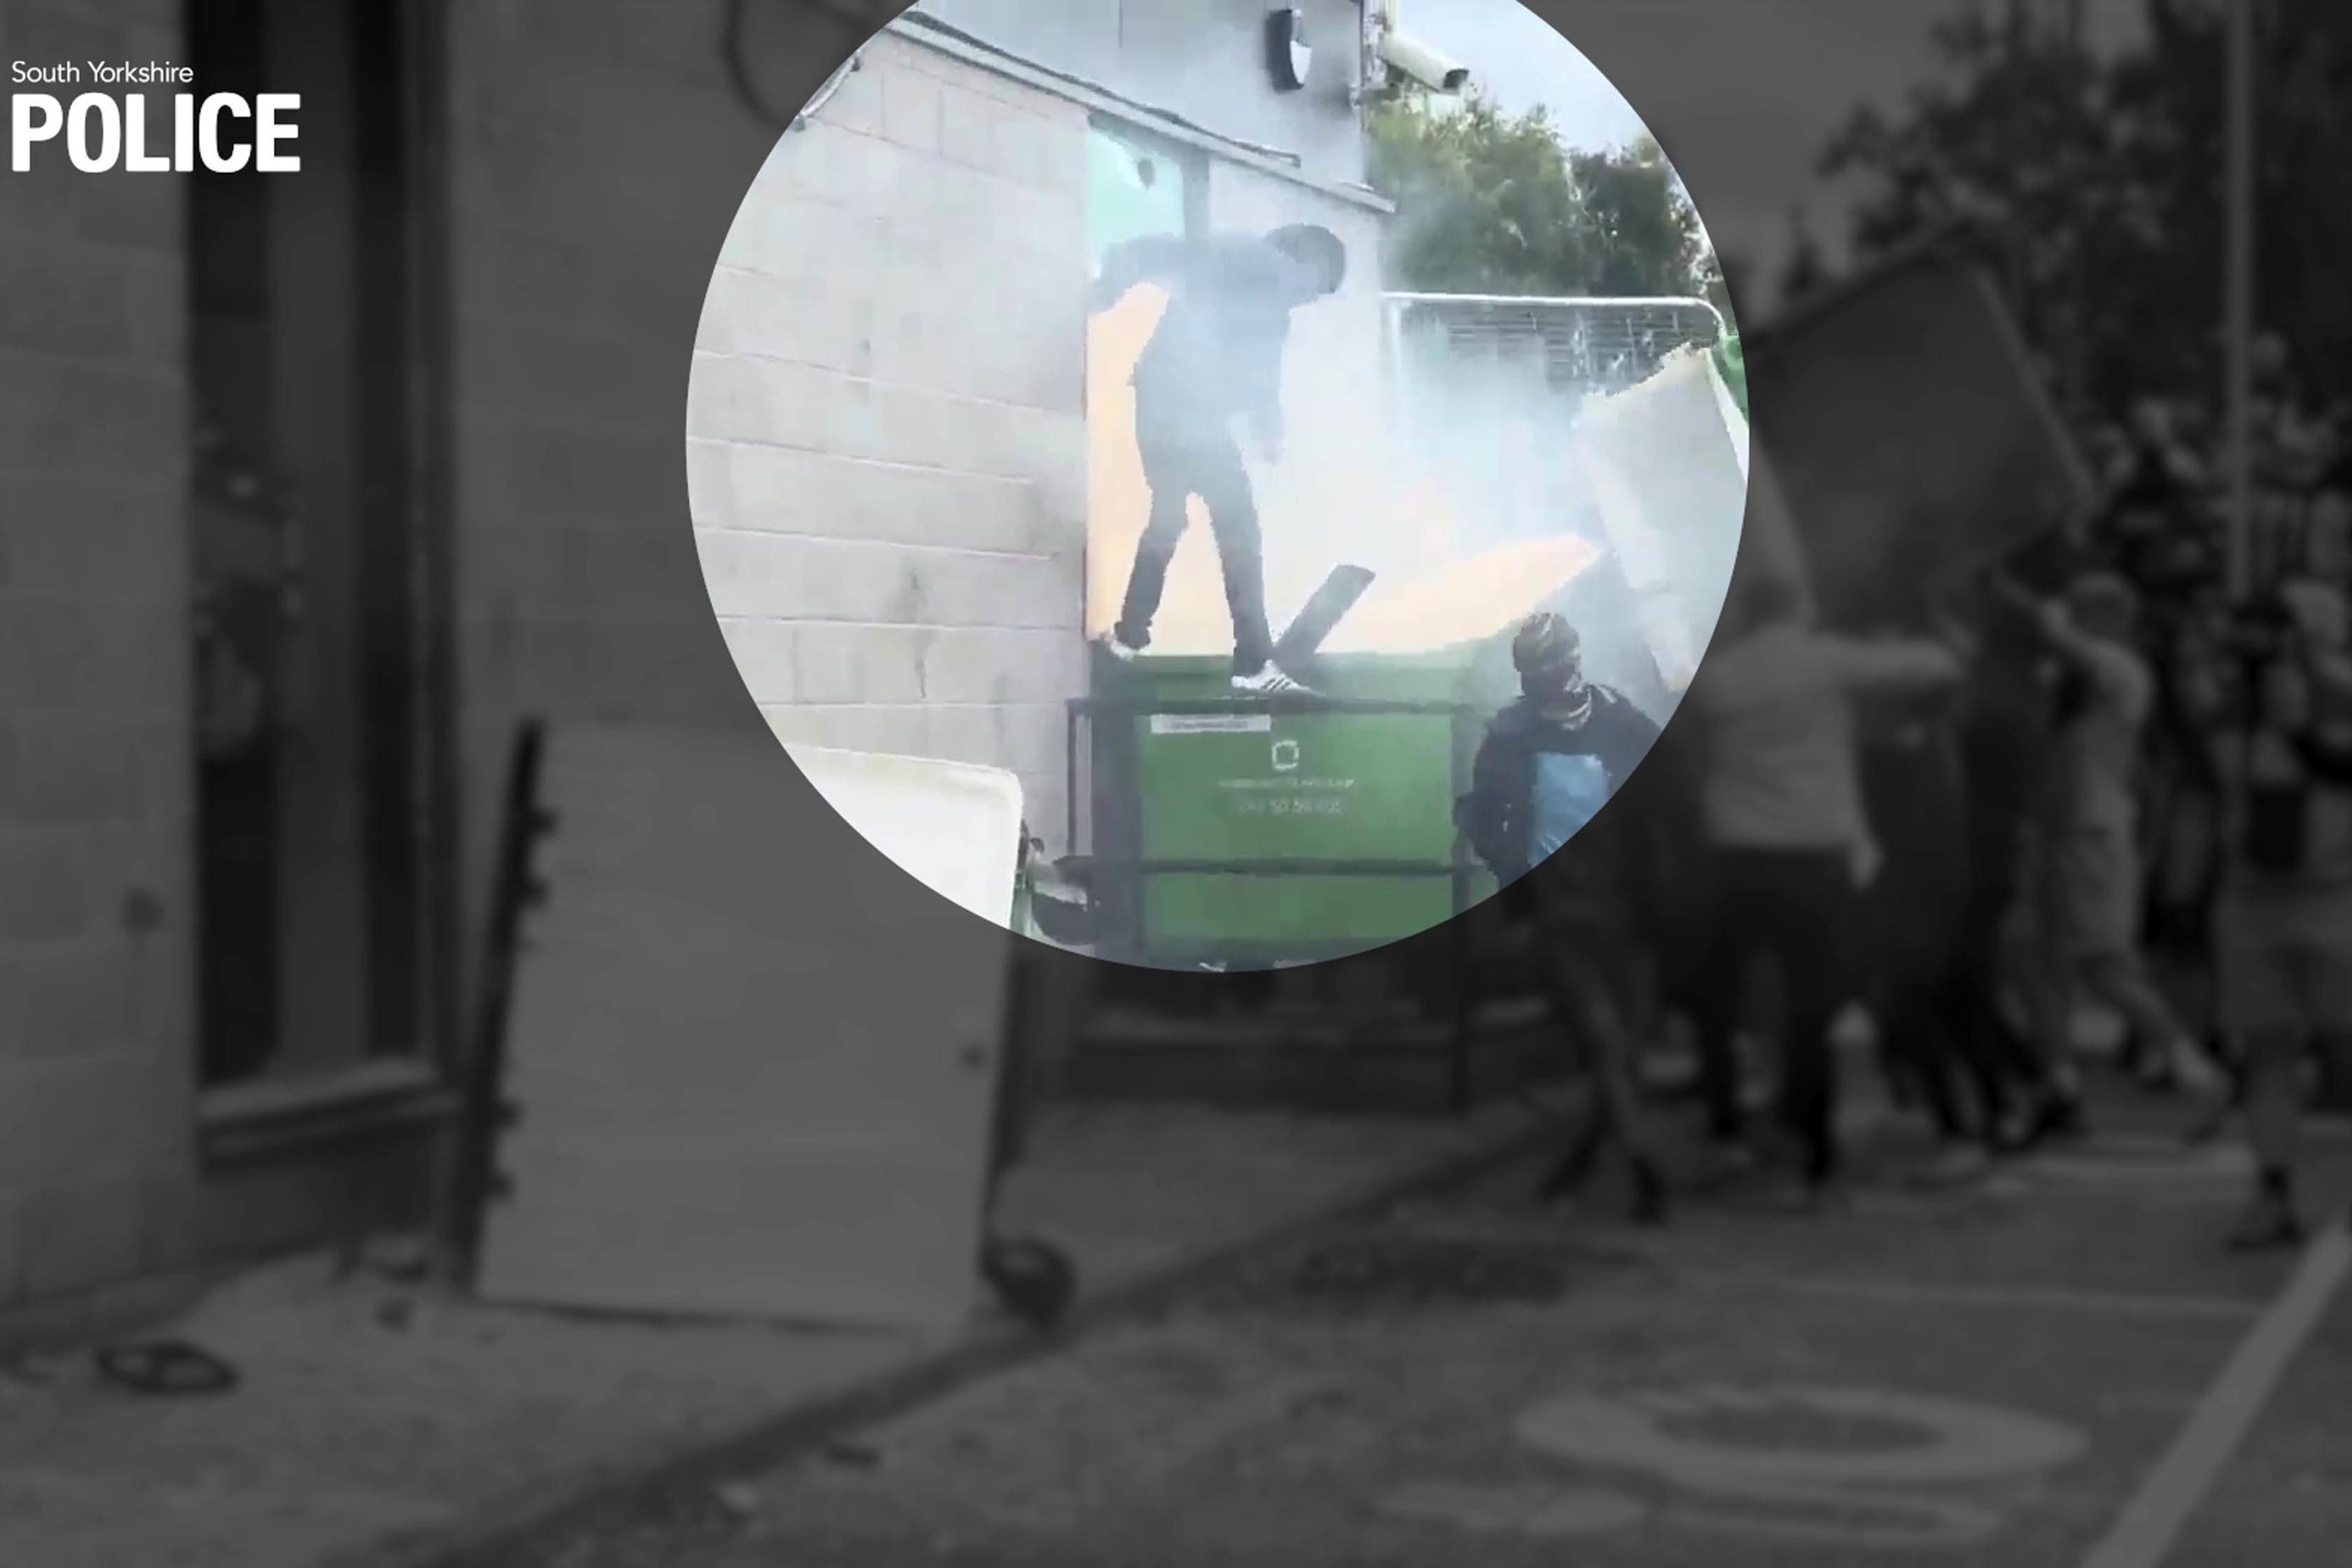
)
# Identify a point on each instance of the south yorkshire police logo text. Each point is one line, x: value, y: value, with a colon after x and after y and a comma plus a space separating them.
x: 100, y: 132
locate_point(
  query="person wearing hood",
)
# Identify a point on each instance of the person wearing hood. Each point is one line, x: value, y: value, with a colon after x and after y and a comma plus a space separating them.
x: 1214, y: 359
x: 1546, y: 766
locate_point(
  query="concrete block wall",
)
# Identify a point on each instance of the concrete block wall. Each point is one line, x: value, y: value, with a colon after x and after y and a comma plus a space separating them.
x: 595, y: 156
x: 886, y: 429
x: 1202, y: 59
x: 97, y: 1060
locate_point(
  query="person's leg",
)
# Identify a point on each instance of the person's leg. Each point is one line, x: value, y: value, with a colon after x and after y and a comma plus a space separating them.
x: 1172, y: 474
x: 1992, y: 1053
x: 2118, y: 974
x: 2330, y: 941
x: 2274, y: 1110
x: 1915, y: 1038
x: 1714, y: 998
x: 2260, y: 992
x: 2121, y: 980
x: 2001, y: 1055
x: 1225, y: 489
x: 1582, y: 983
x: 1814, y: 894
x: 2066, y: 929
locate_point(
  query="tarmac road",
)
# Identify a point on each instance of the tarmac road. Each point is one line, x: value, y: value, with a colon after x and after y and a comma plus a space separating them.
x: 1974, y: 1379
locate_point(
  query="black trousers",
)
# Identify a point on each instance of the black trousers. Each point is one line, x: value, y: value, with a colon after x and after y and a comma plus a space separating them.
x: 1791, y: 905
x: 1586, y: 964
x: 1182, y: 459
x: 1951, y: 1020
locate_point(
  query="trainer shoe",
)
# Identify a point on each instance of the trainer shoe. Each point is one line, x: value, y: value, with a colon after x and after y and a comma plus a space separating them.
x: 1117, y: 649
x: 1270, y: 681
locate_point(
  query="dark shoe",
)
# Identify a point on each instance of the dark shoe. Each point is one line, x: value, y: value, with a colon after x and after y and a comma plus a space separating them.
x: 2061, y: 1119
x: 2268, y: 1224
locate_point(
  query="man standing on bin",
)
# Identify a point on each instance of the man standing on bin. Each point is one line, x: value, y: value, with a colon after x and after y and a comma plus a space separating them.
x: 1215, y: 356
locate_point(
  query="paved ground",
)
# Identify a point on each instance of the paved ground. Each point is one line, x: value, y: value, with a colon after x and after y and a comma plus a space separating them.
x: 379, y: 1422
x: 1976, y: 1379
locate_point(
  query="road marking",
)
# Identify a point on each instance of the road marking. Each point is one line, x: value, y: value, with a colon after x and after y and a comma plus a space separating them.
x: 2144, y: 1532
x: 2149, y: 1161
x: 2104, y: 1303
x: 1952, y: 1441
x: 1845, y: 1496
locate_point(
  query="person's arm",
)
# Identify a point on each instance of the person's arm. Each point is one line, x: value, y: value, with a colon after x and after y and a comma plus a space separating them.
x: 1254, y: 280
x: 1891, y: 667
x: 2114, y: 669
x: 1485, y: 814
x: 1630, y: 734
x: 1261, y: 372
x: 1153, y: 258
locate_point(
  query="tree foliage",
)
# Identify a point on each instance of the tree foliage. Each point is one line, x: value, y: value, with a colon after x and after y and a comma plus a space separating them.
x: 1489, y: 203
x: 2102, y: 182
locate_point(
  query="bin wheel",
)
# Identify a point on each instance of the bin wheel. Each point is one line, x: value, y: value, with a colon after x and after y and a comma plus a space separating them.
x: 1035, y: 1280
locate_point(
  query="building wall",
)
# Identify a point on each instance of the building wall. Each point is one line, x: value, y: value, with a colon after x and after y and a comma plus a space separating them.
x: 886, y: 425
x: 97, y: 1060
x: 579, y: 246
x: 1202, y: 59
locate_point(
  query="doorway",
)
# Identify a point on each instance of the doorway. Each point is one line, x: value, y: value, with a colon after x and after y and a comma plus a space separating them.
x: 314, y: 602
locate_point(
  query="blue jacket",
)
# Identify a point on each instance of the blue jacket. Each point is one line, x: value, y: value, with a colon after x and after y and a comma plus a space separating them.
x: 1497, y: 815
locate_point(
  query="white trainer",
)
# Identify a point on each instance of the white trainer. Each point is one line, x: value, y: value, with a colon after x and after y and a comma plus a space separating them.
x: 1270, y: 681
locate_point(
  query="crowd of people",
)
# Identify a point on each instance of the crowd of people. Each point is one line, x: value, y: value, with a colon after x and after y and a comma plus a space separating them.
x: 2110, y: 773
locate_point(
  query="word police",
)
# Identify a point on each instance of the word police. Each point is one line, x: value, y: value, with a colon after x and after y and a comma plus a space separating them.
x: 102, y: 132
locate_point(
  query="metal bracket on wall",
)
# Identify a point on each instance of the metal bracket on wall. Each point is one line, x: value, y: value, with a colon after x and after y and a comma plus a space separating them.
x: 520, y: 889
x: 747, y: 89
x: 824, y: 94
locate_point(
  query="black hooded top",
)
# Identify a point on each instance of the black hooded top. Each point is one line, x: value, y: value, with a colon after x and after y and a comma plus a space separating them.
x: 1217, y: 352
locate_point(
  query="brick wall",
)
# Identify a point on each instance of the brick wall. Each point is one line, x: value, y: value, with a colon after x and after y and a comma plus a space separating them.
x: 886, y: 436
x: 97, y: 1060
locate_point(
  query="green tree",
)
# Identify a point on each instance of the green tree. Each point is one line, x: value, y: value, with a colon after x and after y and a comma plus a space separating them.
x: 1645, y: 234
x: 2100, y: 185
x: 1806, y: 268
x: 1489, y: 203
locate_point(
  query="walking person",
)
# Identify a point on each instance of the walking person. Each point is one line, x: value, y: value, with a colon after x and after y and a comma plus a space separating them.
x: 2283, y: 925
x: 1548, y: 764
x: 1215, y: 358
x: 1789, y: 844
x: 2086, y: 851
x: 2002, y: 737
x: 1947, y: 790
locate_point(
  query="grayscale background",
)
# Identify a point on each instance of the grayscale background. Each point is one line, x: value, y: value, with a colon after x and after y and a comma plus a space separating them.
x: 597, y: 1173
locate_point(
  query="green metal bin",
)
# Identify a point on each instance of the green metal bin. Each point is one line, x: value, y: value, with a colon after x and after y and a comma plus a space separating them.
x: 1253, y: 832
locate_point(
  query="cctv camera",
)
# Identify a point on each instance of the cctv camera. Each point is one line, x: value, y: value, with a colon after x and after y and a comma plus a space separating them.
x: 1424, y: 64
